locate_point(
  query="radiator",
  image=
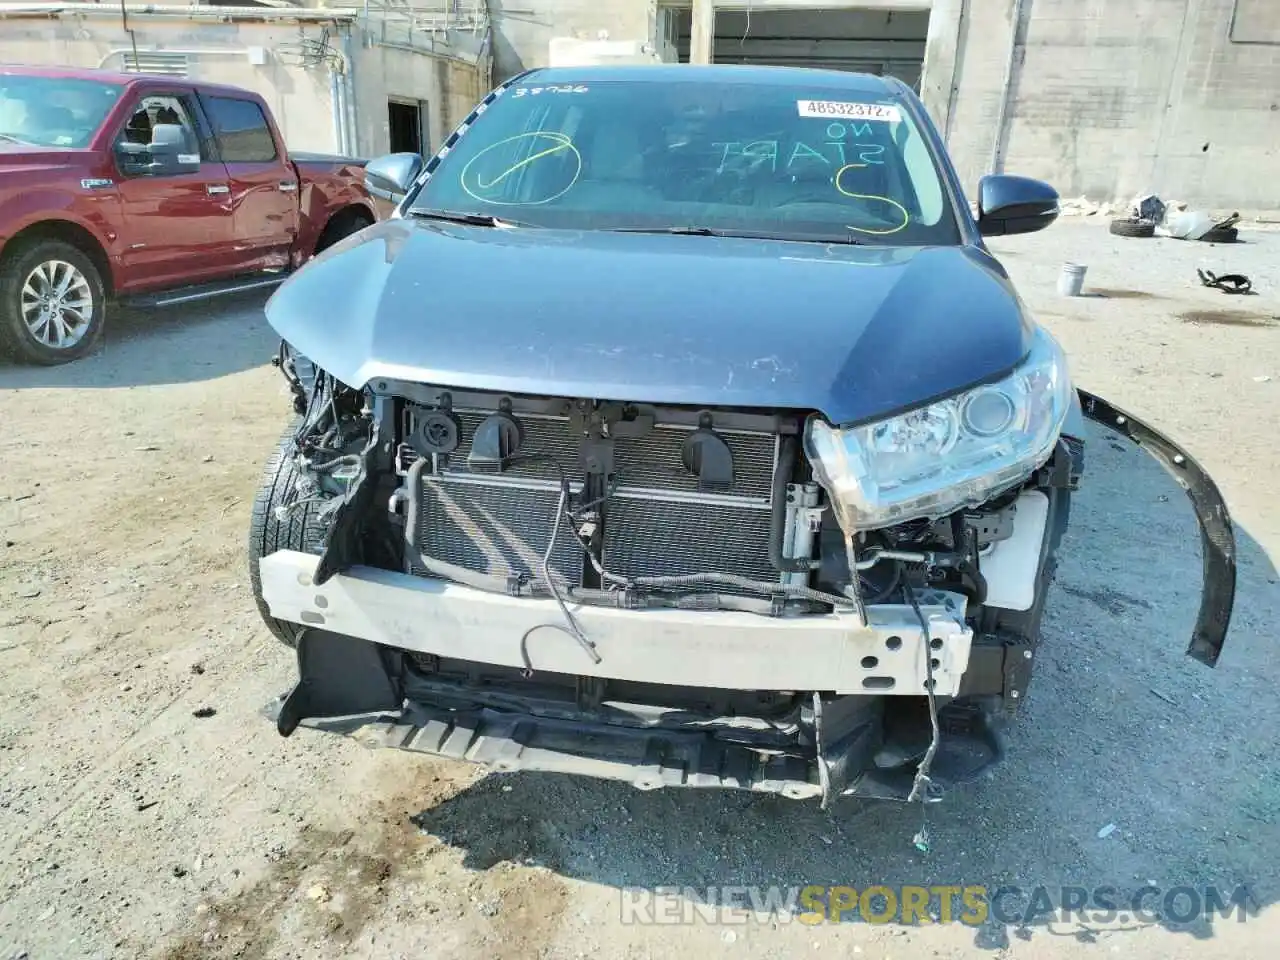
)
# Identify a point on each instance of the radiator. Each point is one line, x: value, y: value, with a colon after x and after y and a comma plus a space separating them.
x: 657, y: 522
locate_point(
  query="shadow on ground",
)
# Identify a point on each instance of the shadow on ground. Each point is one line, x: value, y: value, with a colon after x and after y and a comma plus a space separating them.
x: 184, y: 343
x: 1132, y: 766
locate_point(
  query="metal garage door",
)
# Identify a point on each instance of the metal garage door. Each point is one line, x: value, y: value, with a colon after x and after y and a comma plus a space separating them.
x: 867, y: 41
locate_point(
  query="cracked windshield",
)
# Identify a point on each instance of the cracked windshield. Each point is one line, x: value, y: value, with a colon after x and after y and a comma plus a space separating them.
x: 795, y: 163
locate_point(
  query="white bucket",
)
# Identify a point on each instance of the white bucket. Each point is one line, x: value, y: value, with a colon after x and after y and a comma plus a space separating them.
x: 1071, y: 280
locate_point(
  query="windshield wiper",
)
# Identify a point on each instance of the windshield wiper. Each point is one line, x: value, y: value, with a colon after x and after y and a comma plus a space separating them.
x: 701, y: 231
x: 471, y: 219
x: 689, y: 231
x: 13, y: 139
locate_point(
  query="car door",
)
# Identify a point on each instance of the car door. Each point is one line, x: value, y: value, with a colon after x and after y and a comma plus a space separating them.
x: 264, y: 185
x: 176, y: 226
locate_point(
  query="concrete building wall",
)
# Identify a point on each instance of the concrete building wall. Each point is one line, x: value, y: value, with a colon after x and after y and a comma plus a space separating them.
x: 523, y: 29
x: 298, y: 92
x: 450, y: 89
x: 1104, y: 98
x: 1111, y: 97
x: 299, y: 97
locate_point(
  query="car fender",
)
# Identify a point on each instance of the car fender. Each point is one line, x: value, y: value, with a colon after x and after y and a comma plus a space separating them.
x: 1217, y: 536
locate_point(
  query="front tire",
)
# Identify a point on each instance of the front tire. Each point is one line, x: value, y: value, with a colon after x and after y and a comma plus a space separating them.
x: 301, y: 530
x: 52, y: 303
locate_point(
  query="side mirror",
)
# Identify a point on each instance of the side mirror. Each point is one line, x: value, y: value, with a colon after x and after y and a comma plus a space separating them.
x: 1009, y: 205
x: 168, y: 141
x: 163, y: 156
x: 390, y: 176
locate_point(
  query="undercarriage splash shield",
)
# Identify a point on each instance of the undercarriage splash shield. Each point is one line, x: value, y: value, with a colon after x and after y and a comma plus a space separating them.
x: 1217, y: 538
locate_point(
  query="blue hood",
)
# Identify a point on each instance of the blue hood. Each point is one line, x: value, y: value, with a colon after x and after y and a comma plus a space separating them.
x: 853, y: 332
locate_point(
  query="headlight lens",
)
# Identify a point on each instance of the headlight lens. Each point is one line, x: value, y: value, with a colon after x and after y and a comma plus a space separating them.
x: 957, y: 453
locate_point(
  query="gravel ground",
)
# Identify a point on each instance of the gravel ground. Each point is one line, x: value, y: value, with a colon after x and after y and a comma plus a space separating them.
x: 147, y: 810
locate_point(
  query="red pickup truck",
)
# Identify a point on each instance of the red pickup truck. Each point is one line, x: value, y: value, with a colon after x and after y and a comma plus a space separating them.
x: 152, y: 191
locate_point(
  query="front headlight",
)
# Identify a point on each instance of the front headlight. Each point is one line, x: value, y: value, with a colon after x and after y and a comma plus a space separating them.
x: 956, y: 453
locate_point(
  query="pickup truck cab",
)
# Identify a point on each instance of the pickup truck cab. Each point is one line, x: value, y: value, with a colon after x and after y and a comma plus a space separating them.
x: 148, y: 189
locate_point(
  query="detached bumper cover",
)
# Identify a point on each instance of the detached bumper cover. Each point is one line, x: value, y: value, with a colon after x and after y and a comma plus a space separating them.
x: 1217, y: 538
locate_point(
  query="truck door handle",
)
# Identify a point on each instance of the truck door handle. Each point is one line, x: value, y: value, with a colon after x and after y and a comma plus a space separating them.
x: 288, y: 186
x: 214, y: 189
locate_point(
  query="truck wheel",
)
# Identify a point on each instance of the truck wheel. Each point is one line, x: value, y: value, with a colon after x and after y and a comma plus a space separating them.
x: 341, y: 226
x: 52, y: 303
x: 301, y: 529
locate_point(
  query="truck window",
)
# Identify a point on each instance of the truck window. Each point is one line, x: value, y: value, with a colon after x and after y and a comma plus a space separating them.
x: 155, y: 110
x: 242, y: 130
x: 52, y: 111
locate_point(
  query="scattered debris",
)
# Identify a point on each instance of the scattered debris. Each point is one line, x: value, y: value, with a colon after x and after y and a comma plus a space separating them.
x: 490, y: 908
x: 729, y: 936
x: 147, y: 448
x: 179, y: 871
x: 146, y: 805
x: 1106, y: 831
x: 1071, y: 279
x: 1262, y: 379
x: 208, y: 458
x: 1199, y: 225
x: 1133, y: 227
x: 1078, y: 207
x: 319, y: 893
x: 1236, y: 283
x: 201, y: 713
x: 24, y: 496
x: 30, y: 594
x: 1164, y: 696
x: 1149, y: 207
x: 197, y: 668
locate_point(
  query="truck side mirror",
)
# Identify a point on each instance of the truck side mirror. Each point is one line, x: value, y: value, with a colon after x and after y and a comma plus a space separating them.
x: 168, y: 143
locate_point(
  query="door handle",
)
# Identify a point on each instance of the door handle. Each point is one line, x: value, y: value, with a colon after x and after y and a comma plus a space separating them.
x: 288, y: 186
x: 214, y: 189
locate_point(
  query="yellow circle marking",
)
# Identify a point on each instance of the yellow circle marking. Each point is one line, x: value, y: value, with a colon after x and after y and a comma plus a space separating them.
x: 906, y: 217
x: 562, y: 143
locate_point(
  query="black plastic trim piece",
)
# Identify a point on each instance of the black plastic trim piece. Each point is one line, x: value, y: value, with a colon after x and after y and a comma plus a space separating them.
x: 1217, y: 537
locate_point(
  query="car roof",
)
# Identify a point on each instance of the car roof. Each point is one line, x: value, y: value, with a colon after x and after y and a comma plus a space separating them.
x: 112, y: 76
x: 866, y: 84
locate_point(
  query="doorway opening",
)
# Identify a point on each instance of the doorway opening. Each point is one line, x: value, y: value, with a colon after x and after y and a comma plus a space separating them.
x: 407, y: 126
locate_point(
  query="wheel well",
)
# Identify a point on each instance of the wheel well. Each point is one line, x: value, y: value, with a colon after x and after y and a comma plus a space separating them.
x: 67, y: 232
x: 349, y: 214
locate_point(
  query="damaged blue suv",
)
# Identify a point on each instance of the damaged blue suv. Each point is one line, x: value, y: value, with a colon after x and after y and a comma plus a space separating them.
x: 679, y: 428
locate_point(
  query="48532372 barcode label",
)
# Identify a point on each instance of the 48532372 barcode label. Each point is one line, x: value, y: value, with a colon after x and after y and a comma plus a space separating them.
x: 835, y: 109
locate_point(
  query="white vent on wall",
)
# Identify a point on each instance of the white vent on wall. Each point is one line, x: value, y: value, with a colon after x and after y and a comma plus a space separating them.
x: 157, y: 62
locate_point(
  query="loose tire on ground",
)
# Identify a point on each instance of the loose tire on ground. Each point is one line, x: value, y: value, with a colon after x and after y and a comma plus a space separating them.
x: 50, y: 291
x: 1130, y: 227
x: 302, y: 530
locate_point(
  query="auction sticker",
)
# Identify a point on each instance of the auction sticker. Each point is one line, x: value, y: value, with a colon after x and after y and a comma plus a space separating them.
x: 831, y: 109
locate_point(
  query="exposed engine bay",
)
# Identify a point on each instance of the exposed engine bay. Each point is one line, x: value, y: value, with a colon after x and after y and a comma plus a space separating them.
x: 632, y: 507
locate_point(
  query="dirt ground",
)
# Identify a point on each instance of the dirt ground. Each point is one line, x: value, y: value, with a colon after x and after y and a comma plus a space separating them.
x: 133, y: 826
